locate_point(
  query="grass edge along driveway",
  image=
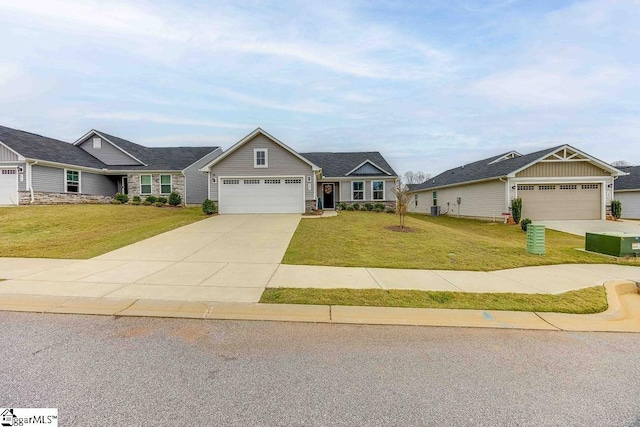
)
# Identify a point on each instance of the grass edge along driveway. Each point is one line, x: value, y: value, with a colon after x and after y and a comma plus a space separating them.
x: 582, y: 301
x: 84, y: 231
x: 363, y: 239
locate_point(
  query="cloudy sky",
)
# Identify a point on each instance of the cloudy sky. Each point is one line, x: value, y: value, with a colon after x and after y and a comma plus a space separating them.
x: 430, y: 84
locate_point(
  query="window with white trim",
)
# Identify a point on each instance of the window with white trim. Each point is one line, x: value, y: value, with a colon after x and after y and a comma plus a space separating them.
x: 377, y: 188
x: 357, y: 190
x: 260, y: 158
x: 145, y: 184
x: 415, y: 199
x: 97, y: 143
x: 73, y: 181
x: 165, y: 184
x: 435, y: 198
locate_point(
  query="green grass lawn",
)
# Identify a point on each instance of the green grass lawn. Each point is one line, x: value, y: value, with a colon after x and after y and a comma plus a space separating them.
x: 361, y: 239
x: 590, y: 300
x: 84, y: 231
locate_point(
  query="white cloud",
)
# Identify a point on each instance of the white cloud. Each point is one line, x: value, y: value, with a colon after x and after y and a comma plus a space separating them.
x: 163, y: 119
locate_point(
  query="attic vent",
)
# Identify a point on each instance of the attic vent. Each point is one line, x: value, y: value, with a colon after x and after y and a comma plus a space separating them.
x: 97, y: 143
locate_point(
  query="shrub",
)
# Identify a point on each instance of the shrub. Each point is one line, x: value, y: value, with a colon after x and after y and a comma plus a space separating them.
x: 378, y: 209
x: 390, y: 210
x: 616, y: 209
x: 159, y: 204
x: 341, y: 206
x: 116, y: 202
x: 122, y: 198
x: 208, y: 207
x: 136, y: 199
x: 356, y: 206
x: 363, y: 209
x: 350, y: 208
x: 516, y: 209
x: 146, y: 203
x: 151, y: 199
x: 524, y: 223
x: 135, y: 202
x: 175, y: 199
x: 368, y: 206
x: 379, y: 206
x: 162, y: 200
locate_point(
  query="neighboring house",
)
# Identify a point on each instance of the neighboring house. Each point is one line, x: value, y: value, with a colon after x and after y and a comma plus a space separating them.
x: 40, y: 170
x: 627, y: 190
x: 260, y: 174
x: 557, y: 183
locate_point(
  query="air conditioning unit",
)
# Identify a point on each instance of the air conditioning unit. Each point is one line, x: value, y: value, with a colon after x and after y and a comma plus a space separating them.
x: 435, y: 210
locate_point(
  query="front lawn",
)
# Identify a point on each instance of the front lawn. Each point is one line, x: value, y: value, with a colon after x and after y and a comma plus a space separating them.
x: 582, y: 301
x: 84, y: 231
x: 361, y: 239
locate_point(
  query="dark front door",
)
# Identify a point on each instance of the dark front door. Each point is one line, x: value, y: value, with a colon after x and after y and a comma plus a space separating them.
x: 328, y: 196
x: 125, y: 185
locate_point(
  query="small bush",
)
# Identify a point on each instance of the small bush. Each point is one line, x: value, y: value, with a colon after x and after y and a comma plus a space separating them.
x: 175, y: 199
x: 116, y: 202
x: 356, y: 206
x: 379, y: 206
x: 122, y: 198
x: 147, y: 203
x: 136, y: 199
x: 390, y: 210
x: 135, y: 202
x: 524, y: 223
x: 368, y: 206
x: 616, y: 209
x: 378, y: 210
x: 516, y: 209
x: 341, y: 206
x: 208, y: 207
x: 151, y: 199
x: 363, y: 209
x: 159, y: 204
x: 162, y: 200
x: 350, y: 208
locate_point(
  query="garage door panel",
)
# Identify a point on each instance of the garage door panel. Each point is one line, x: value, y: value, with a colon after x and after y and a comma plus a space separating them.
x: 560, y: 201
x: 262, y: 195
x: 8, y: 186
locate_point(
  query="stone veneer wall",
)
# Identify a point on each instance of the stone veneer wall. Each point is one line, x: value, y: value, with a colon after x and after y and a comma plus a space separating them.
x: 177, y: 184
x: 310, y: 205
x: 42, y: 198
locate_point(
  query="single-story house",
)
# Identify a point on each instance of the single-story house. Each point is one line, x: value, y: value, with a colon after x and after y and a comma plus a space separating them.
x: 41, y: 170
x: 627, y: 190
x: 557, y: 183
x: 260, y: 174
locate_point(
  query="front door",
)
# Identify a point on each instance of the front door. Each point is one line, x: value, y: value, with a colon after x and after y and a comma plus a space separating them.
x: 125, y: 185
x: 328, y: 196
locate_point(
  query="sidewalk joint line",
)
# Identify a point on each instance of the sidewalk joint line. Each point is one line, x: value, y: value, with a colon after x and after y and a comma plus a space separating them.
x: 547, y: 322
x: 448, y: 281
x: 117, y: 314
x: 374, y: 278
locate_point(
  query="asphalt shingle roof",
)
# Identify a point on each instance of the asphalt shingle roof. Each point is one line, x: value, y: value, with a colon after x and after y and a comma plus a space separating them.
x: 39, y: 147
x: 629, y: 182
x: 336, y: 165
x: 483, y: 169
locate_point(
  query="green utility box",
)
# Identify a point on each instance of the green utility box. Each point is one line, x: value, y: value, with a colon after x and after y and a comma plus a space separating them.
x: 614, y: 243
x: 535, y: 239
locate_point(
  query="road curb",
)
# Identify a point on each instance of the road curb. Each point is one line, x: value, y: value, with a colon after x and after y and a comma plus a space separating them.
x: 623, y: 314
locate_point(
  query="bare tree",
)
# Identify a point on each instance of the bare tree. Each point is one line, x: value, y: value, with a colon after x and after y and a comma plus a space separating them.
x: 403, y: 198
x: 419, y: 177
x: 621, y: 163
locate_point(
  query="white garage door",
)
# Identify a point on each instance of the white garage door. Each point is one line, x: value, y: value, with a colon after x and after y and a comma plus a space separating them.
x: 8, y: 187
x: 261, y: 195
x: 630, y: 204
x: 561, y: 201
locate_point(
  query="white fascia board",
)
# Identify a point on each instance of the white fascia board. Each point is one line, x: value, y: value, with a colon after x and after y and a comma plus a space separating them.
x: 213, y: 151
x: 246, y: 139
x: 20, y: 156
x: 95, y: 132
x: 371, y: 163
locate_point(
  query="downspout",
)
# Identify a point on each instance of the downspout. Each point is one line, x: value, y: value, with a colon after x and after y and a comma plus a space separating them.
x: 506, y: 194
x: 30, y: 180
x: 184, y: 185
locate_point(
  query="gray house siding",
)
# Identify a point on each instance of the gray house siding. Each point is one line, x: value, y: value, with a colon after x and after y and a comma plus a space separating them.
x: 91, y: 183
x: 280, y: 163
x: 7, y: 155
x: 195, y: 181
x: 47, y: 179
x: 107, y: 154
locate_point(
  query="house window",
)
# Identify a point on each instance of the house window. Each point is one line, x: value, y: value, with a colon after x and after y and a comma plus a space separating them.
x: 145, y: 184
x: 97, y: 143
x: 165, y: 184
x: 260, y: 158
x: 378, y: 190
x: 73, y: 181
x: 435, y: 198
x: 358, y: 190
x: 415, y: 200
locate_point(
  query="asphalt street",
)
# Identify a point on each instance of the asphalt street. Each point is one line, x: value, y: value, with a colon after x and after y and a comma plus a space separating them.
x: 147, y: 371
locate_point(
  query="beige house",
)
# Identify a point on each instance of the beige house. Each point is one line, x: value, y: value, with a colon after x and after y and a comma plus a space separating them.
x: 554, y: 184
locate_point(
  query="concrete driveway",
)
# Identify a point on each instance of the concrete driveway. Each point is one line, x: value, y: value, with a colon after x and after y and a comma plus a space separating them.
x: 581, y: 227
x: 224, y: 258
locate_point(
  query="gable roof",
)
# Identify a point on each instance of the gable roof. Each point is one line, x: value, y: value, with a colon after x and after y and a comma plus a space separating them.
x: 491, y: 168
x: 249, y: 137
x: 338, y: 165
x: 630, y: 181
x: 38, y: 147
